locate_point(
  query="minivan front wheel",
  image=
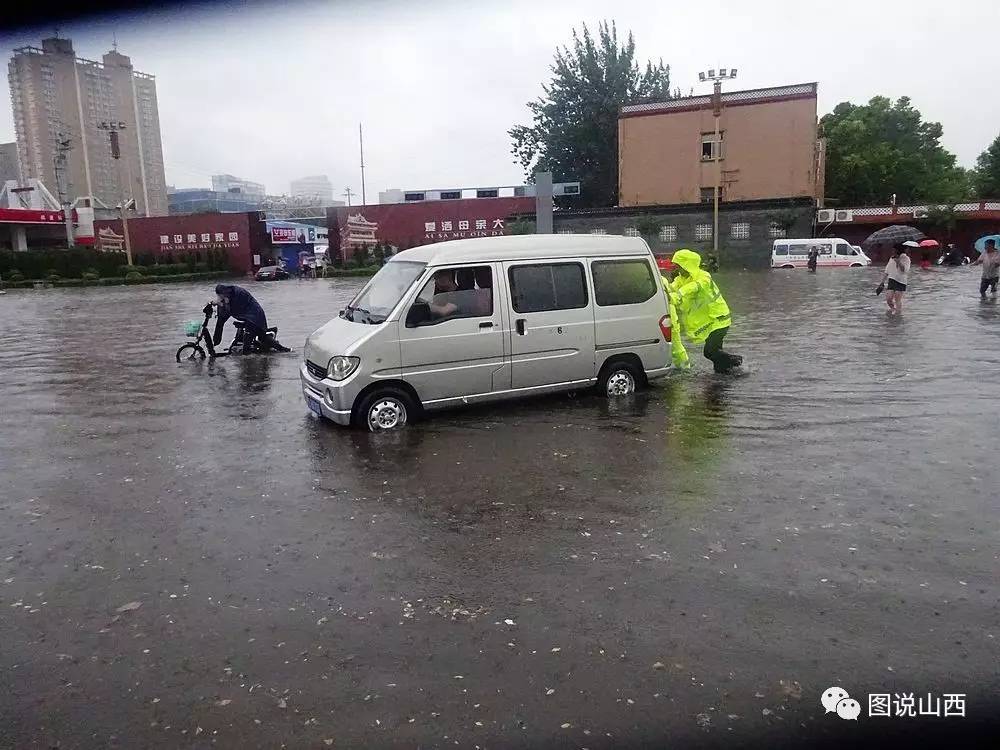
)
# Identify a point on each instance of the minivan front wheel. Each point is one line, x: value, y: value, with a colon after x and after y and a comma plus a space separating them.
x: 385, y: 410
x: 619, y: 379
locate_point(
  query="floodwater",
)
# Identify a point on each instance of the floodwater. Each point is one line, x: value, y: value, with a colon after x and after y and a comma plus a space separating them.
x: 188, y: 558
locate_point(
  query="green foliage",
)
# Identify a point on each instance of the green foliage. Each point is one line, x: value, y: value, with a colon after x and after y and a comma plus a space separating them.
x: 69, y: 264
x: 648, y: 226
x: 784, y: 218
x: 133, y: 277
x: 880, y: 148
x: 90, y: 276
x: 52, y: 275
x: 521, y: 226
x: 987, y: 175
x: 574, y: 129
x: 332, y: 273
x: 15, y: 276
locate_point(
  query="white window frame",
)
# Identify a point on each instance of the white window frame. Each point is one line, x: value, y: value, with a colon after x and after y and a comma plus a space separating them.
x: 776, y: 231
x: 668, y: 233
x: 718, y: 151
x: 702, y: 232
x: 739, y: 230
x: 599, y: 231
x: 631, y: 232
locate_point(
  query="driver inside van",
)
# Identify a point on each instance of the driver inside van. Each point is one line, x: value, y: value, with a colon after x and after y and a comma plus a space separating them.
x: 444, y: 283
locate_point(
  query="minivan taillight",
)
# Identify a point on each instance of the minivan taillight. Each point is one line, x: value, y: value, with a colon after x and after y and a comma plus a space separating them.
x: 665, y: 327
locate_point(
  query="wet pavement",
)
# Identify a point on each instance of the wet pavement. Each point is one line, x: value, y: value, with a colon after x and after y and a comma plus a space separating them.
x: 189, y: 559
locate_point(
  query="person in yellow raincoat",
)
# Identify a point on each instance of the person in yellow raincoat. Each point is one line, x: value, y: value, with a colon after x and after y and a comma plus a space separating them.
x: 697, y: 304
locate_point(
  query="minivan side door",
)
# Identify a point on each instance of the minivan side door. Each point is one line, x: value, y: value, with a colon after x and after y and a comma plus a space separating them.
x: 552, y: 323
x: 451, y: 335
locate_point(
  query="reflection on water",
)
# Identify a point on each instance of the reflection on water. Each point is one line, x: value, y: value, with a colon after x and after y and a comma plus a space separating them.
x: 851, y: 470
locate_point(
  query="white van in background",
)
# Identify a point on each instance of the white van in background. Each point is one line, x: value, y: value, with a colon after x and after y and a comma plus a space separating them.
x: 833, y: 251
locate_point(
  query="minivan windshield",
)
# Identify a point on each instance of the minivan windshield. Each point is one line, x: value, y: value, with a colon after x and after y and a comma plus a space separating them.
x: 374, y: 303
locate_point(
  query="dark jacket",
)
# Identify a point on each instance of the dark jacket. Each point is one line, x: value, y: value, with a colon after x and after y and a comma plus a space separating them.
x: 242, y: 306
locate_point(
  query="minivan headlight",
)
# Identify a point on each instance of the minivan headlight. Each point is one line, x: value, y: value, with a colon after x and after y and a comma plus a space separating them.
x: 342, y: 367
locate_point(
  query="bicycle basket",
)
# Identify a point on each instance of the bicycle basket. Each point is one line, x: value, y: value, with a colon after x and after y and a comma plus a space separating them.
x: 192, y: 328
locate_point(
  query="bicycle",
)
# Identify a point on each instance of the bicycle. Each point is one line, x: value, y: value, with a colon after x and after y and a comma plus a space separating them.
x: 193, y: 350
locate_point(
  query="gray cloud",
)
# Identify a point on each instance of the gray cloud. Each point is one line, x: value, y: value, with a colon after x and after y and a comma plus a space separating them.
x: 273, y: 92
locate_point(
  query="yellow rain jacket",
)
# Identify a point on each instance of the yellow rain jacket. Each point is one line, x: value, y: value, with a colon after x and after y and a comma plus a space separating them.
x: 698, y: 302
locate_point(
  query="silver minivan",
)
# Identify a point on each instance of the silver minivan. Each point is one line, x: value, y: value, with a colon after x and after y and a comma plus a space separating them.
x: 486, y: 319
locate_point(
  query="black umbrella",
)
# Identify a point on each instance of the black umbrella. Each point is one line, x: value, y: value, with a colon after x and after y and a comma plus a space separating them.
x: 895, y: 233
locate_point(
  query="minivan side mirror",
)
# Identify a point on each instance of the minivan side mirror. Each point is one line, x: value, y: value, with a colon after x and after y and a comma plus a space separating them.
x: 419, y: 314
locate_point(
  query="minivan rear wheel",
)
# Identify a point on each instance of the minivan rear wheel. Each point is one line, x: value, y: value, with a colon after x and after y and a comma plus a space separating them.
x: 619, y: 378
x: 384, y: 410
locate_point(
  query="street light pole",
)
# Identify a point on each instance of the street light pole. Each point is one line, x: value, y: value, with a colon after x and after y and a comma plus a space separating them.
x: 113, y: 129
x: 717, y: 79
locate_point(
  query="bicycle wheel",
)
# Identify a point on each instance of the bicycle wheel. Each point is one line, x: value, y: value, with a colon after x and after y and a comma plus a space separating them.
x: 190, y: 352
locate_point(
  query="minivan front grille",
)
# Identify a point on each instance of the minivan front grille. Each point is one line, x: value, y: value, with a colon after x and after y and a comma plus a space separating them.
x: 315, y: 370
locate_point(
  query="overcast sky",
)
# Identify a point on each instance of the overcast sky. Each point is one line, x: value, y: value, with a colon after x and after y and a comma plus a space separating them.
x: 275, y: 91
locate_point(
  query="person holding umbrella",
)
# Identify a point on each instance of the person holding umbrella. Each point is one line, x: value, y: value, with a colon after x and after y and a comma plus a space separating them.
x: 897, y: 272
x: 990, y: 261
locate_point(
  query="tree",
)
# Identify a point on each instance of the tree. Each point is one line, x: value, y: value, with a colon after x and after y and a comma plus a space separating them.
x: 574, y: 130
x: 987, y: 175
x: 521, y: 226
x: 880, y: 148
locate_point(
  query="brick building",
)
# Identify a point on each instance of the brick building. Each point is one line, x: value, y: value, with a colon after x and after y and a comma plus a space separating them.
x: 767, y: 148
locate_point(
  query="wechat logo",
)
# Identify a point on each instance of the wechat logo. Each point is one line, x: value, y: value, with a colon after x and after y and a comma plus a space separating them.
x: 836, y: 700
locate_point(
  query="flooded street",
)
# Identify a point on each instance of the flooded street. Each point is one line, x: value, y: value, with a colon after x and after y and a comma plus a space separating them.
x: 188, y: 558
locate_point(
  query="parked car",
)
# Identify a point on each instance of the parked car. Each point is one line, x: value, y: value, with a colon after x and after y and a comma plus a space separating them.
x: 271, y: 273
x: 486, y: 319
x: 833, y: 251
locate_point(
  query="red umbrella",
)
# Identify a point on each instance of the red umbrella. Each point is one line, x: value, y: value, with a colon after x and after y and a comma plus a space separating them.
x: 929, y: 243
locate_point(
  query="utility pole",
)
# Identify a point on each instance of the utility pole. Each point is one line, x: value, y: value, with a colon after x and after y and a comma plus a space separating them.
x: 717, y: 79
x: 64, y: 146
x: 347, y: 194
x: 113, y: 129
x: 361, y: 141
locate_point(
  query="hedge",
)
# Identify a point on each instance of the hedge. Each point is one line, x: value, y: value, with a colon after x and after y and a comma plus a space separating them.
x: 119, y: 280
x: 70, y: 264
x: 332, y: 272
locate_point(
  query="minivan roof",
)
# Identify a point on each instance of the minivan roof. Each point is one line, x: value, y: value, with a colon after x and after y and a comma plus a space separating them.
x: 523, y: 247
x: 810, y: 239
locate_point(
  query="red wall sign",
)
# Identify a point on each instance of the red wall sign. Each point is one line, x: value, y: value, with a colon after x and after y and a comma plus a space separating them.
x: 29, y: 216
x: 182, y: 235
x: 406, y: 225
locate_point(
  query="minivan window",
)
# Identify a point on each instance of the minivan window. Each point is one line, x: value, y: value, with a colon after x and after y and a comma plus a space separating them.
x: 550, y: 286
x: 825, y: 249
x: 844, y: 249
x: 374, y: 303
x: 781, y: 249
x: 622, y: 282
x: 453, y: 293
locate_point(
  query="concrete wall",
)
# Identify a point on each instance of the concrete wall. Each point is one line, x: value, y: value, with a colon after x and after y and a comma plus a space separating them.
x: 769, y: 150
x: 740, y: 253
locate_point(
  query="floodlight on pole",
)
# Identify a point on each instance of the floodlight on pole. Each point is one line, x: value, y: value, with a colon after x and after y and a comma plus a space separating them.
x: 724, y: 74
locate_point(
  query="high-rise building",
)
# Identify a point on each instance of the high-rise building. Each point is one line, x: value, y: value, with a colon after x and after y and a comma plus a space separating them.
x: 57, y: 96
x: 317, y: 186
x: 9, y: 167
x: 227, y: 183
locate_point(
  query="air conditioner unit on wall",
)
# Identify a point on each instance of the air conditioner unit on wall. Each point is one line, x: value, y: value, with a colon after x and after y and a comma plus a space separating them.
x: 920, y: 213
x: 825, y: 216
x: 844, y: 215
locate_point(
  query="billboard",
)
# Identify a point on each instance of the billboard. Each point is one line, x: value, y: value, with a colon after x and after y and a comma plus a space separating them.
x: 285, y: 235
x: 405, y: 225
x: 177, y: 236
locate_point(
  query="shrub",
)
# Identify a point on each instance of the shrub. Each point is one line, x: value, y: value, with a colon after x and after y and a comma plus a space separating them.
x: 91, y: 276
x: 15, y: 276
x: 202, y: 267
x: 133, y: 277
x: 52, y: 275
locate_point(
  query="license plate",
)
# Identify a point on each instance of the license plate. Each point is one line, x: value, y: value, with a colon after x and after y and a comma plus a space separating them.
x: 314, y: 406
